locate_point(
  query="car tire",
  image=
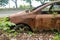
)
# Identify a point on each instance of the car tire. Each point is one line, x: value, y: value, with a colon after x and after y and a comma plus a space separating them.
x: 22, y: 28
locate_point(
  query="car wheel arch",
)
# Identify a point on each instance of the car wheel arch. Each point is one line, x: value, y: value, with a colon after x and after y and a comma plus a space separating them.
x: 25, y: 25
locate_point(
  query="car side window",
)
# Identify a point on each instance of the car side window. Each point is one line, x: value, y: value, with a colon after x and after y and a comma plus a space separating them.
x: 52, y: 8
x: 46, y: 10
x: 56, y: 7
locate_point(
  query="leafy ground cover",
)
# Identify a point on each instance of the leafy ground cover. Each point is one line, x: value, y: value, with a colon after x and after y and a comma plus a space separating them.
x: 10, y: 34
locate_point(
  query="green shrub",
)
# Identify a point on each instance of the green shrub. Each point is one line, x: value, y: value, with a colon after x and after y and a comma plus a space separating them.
x: 55, y: 13
x: 23, y: 7
x: 5, y: 24
x: 57, y: 36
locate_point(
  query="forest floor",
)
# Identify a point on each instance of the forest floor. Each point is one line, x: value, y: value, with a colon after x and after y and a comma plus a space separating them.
x: 31, y: 36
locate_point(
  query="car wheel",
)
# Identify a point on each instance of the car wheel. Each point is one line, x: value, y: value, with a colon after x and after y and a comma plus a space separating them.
x: 22, y: 28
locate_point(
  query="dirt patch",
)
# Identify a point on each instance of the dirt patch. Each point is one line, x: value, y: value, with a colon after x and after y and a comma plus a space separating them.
x: 41, y: 36
x: 29, y: 36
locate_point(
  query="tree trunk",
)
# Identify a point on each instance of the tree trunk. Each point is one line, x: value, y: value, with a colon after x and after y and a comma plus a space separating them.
x: 42, y: 1
x: 16, y: 3
x: 30, y: 4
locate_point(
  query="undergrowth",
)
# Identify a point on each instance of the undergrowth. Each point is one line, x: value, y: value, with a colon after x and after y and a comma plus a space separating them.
x: 5, y: 26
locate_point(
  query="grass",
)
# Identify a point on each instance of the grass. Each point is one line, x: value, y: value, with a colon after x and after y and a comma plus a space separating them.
x: 57, y: 36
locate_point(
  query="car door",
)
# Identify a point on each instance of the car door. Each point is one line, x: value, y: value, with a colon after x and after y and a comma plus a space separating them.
x: 49, y: 17
x: 56, y: 10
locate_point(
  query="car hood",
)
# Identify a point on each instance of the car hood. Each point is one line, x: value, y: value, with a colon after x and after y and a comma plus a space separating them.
x: 25, y: 12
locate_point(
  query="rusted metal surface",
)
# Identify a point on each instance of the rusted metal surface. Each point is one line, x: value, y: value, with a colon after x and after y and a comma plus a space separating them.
x: 37, y: 20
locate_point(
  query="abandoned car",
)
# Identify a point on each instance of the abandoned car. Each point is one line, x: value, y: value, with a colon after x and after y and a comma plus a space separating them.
x: 43, y: 17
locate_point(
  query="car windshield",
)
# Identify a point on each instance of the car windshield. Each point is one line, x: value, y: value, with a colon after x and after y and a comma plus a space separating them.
x: 38, y: 6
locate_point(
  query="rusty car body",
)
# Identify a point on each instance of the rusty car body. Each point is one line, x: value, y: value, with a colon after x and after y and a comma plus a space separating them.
x: 39, y: 18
